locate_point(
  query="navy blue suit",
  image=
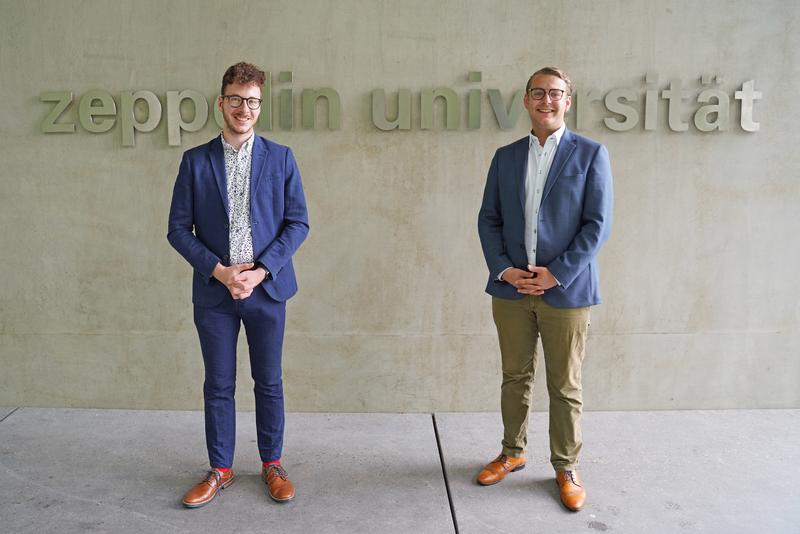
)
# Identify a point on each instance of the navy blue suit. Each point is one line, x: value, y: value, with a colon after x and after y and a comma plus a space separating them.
x: 199, y: 231
x: 574, y: 219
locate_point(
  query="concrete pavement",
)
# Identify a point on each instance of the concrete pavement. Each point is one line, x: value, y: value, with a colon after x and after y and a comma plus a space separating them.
x: 68, y: 470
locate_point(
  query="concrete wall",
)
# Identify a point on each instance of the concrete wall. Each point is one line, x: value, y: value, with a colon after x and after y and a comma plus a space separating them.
x: 701, y: 292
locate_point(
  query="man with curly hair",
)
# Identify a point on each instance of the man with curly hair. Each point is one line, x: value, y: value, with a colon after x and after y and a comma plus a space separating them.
x: 238, y: 215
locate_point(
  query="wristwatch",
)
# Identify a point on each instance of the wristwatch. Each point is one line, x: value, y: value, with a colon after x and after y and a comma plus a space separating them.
x: 268, y: 275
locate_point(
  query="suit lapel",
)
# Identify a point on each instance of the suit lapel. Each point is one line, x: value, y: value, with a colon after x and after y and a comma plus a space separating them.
x: 563, y: 153
x: 218, y: 165
x: 521, y: 164
x: 257, y: 165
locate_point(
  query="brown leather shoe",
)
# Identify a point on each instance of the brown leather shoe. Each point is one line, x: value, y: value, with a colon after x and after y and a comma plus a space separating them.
x: 205, y: 491
x: 572, y: 493
x: 497, y: 469
x: 280, y: 487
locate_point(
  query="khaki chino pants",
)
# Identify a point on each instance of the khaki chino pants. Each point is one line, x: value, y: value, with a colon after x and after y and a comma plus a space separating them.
x: 520, y: 323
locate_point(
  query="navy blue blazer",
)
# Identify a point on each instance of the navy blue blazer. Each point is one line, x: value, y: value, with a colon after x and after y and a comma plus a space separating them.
x: 574, y: 219
x: 198, y: 217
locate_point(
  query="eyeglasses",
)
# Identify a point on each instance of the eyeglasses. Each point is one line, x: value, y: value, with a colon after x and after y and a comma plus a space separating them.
x: 236, y: 101
x: 538, y: 93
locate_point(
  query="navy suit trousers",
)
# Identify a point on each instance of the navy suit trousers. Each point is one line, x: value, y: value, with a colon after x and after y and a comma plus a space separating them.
x: 218, y: 329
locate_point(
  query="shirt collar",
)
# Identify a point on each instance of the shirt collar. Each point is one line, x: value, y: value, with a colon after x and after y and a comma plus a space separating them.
x: 246, y: 148
x: 532, y: 139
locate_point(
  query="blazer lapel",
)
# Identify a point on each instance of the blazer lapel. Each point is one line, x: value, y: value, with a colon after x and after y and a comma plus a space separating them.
x: 521, y: 164
x: 563, y: 153
x: 257, y: 163
x: 218, y: 165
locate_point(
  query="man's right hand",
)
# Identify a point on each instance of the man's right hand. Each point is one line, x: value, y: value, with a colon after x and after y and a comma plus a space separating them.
x: 227, y: 275
x: 522, y: 280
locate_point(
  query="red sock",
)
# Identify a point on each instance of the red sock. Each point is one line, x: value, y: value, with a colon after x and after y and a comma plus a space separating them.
x: 222, y: 469
x: 271, y: 462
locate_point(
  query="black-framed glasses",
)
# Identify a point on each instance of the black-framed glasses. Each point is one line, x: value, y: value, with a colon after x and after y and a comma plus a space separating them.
x: 537, y: 93
x: 236, y: 101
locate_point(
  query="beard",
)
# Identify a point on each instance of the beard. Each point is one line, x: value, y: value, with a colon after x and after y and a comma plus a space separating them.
x: 238, y: 127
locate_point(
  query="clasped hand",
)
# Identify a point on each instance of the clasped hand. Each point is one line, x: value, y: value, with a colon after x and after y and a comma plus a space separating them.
x: 534, y: 281
x: 240, y: 279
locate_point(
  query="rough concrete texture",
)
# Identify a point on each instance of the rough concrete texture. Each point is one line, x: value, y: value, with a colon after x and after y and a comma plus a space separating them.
x: 700, y: 294
x: 660, y: 472
x: 125, y: 471
x: 66, y: 470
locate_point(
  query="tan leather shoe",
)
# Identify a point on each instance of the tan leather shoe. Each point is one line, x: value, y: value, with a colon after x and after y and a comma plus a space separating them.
x: 572, y: 493
x: 280, y: 487
x: 206, y: 490
x: 497, y: 469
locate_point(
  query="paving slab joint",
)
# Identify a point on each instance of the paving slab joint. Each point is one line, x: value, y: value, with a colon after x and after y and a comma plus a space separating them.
x: 444, y: 474
x: 9, y: 414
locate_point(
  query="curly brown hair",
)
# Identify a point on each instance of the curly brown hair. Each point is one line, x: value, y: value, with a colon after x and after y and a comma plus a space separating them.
x: 243, y: 73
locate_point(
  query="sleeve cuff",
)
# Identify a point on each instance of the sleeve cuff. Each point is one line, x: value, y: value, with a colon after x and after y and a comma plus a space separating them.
x: 500, y: 276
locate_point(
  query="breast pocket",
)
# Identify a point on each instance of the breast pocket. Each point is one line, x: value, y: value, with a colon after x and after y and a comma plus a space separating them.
x: 565, y: 201
x: 267, y: 184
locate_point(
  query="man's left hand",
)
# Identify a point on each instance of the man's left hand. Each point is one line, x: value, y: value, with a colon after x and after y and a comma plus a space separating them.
x: 245, y: 281
x: 542, y: 281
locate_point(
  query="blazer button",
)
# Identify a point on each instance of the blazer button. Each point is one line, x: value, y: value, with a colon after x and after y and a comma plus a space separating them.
x: 226, y: 226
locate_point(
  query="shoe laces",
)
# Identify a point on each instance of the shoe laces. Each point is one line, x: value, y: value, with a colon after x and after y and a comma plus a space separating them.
x: 213, y: 477
x: 570, y: 475
x: 278, y: 470
x: 504, y: 460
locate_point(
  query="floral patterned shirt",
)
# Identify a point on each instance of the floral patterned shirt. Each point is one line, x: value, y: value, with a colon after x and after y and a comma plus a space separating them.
x: 237, y: 171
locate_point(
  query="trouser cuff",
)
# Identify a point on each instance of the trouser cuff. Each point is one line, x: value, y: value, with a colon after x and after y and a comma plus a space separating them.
x: 566, y: 466
x: 513, y: 452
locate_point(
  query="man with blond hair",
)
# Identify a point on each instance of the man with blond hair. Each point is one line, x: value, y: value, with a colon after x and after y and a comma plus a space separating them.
x: 546, y: 212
